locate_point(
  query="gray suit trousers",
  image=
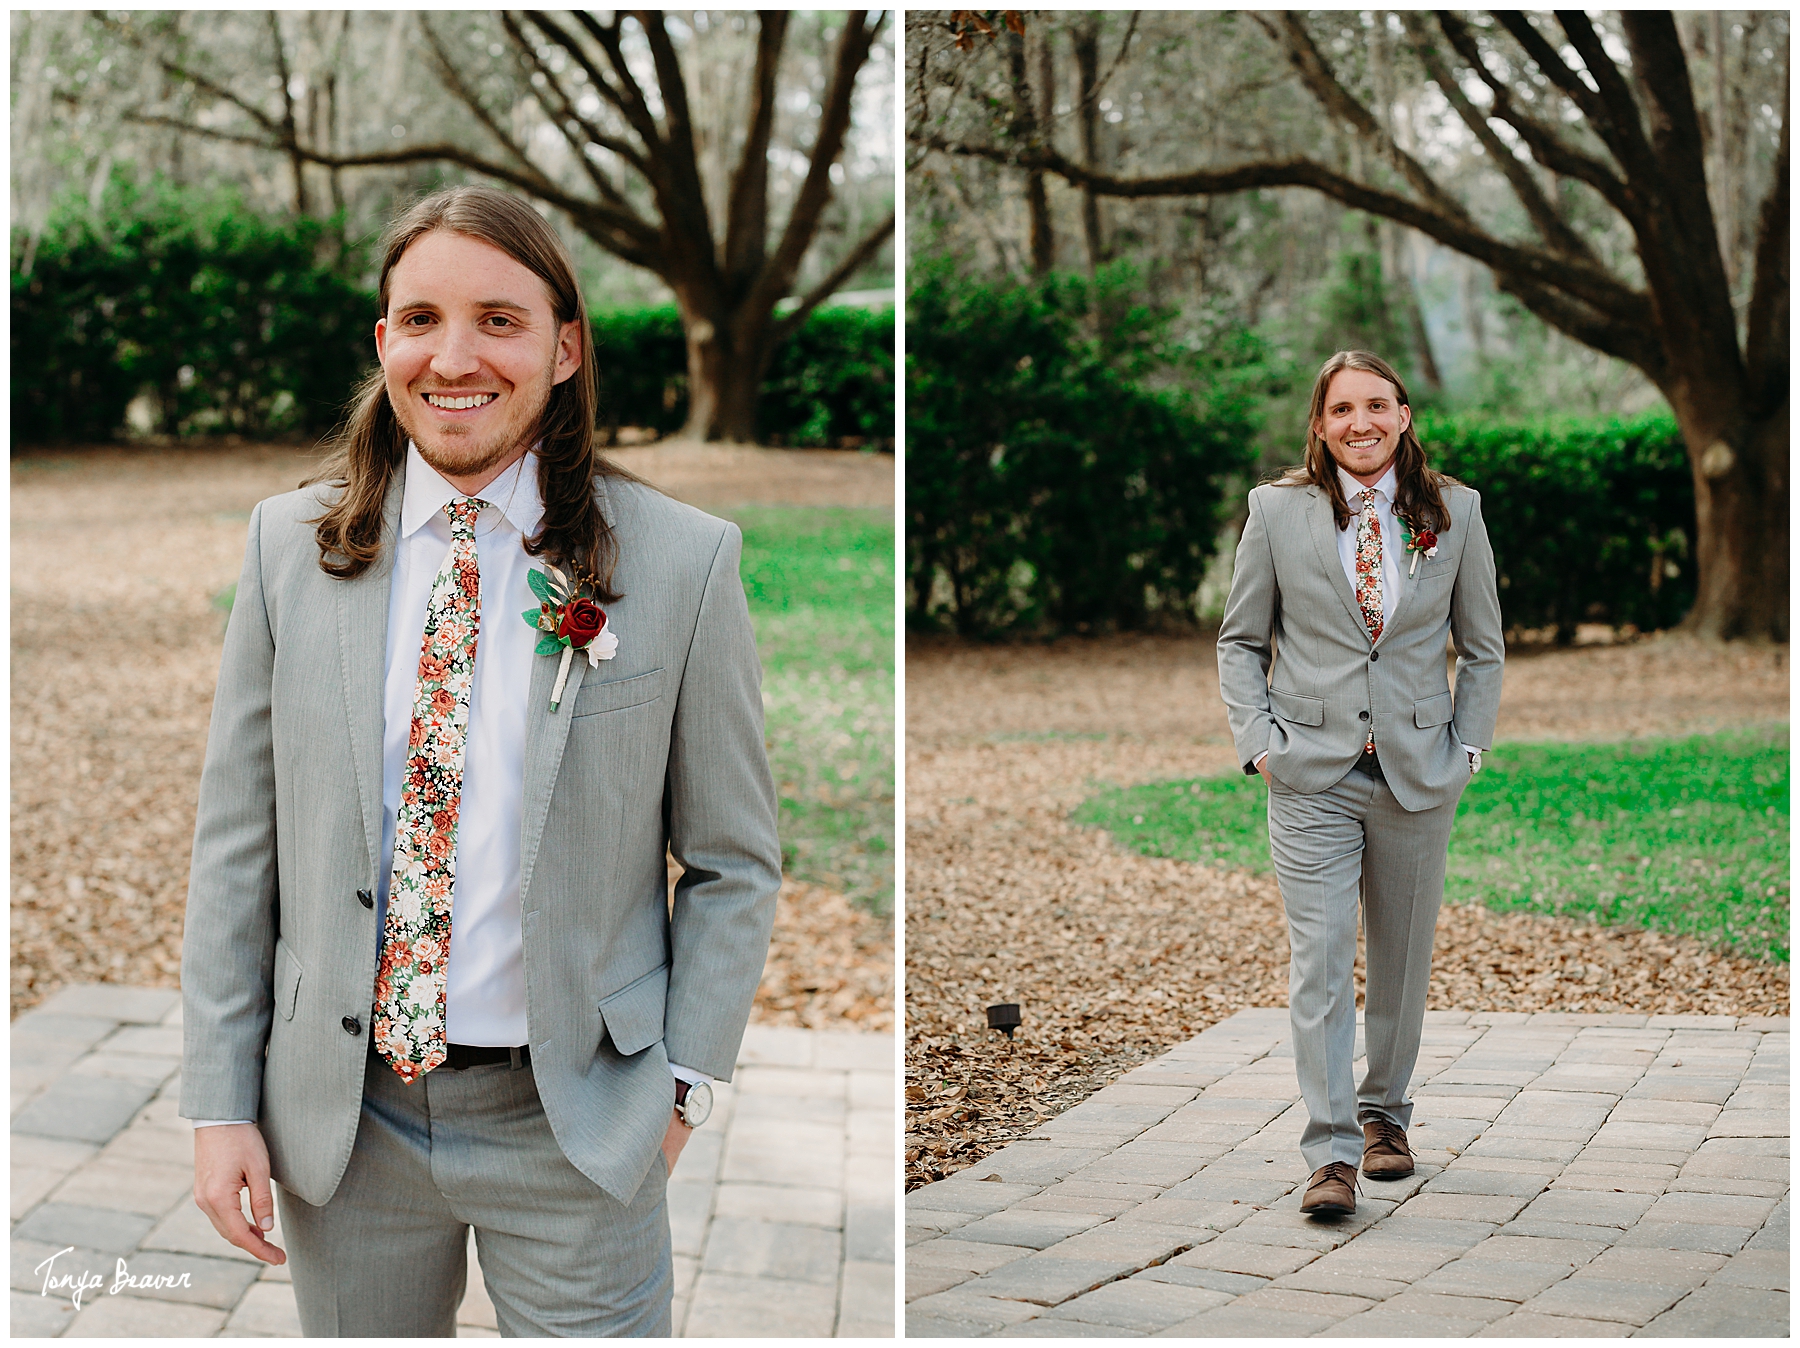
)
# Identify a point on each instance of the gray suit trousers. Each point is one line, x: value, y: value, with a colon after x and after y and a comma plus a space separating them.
x: 1330, y: 846
x: 387, y: 1255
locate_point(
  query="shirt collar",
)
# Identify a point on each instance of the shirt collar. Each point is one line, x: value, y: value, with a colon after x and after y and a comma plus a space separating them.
x: 1383, y: 487
x: 514, y: 494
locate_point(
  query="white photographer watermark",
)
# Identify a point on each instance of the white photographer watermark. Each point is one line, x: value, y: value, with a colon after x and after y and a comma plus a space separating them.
x: 78, y: 1285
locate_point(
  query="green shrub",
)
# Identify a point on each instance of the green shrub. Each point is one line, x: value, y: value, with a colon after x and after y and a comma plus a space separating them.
x: 227, y: 321
x: 1067, y: 461
x: 831, y: 382
x: 1590, y: 521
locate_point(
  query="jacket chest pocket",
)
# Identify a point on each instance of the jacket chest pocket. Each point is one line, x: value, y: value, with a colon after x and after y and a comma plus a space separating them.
x: 593, y: 699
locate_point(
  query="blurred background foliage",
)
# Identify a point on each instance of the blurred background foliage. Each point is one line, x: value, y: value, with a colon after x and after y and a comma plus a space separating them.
x: 179, y: 311
x: 254, y: 157
x: 1253, y: 289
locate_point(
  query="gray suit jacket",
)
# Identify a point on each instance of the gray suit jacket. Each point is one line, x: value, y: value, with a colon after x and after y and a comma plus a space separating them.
x: 662, y: 745
x: 1301, y: 679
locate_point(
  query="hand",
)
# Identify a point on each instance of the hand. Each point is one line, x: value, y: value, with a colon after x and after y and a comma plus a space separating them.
x: 674, y: 1139
x: 228, y: 1157
x: 1263, y: 768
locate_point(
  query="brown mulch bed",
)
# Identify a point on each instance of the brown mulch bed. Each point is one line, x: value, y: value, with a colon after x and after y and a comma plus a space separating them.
x: 116, y: 559
x: 1116, y: 957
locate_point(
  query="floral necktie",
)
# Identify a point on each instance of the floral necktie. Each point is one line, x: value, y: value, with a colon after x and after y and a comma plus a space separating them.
x: 1368, y: 565
x: 1368, y: 579
x: 410, y: 1007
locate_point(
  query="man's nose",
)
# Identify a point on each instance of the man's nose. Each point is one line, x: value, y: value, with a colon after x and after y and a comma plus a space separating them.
x: 456, y: 355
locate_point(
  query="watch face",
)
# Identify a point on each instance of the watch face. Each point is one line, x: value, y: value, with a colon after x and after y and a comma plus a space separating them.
x: 698, y: 1105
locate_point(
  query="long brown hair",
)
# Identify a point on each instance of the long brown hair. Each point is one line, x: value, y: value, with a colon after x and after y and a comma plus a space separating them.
x: 370, y: 446
x: 1418, y: 496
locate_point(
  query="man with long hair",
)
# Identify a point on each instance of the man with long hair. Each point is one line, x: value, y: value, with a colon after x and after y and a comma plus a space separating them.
x: 478, y: 684
x: 1353, y: 572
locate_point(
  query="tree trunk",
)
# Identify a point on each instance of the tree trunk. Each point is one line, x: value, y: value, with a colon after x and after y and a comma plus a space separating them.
x: 726, y: 363
x: 1741, y: 510
x: 1086, y: 41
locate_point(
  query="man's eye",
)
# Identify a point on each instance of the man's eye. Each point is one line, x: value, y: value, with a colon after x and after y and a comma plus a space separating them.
x: 501, y: 319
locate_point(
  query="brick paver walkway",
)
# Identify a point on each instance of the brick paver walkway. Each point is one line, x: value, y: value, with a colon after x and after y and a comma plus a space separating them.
x: 1578, y: 1175
x: 781, y: 1208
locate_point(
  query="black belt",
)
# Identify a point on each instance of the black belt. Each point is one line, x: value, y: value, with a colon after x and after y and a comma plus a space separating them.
x: 475, y: 1055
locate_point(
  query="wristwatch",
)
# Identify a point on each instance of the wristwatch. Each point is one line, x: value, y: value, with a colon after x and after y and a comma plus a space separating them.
x: 693, y: 1102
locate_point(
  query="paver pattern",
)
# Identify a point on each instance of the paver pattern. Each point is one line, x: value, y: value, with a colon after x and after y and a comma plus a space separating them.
x: 1577, y: 1175
x: 781, y: 1207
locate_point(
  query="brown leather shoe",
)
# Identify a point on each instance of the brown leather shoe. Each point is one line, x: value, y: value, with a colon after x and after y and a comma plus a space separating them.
x: 1332, y: 1189
x: 1385, y: 1153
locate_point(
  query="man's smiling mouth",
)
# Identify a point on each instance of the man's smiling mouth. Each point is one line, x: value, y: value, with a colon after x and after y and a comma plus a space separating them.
x: 1369, y: 443
x: 459, y: 402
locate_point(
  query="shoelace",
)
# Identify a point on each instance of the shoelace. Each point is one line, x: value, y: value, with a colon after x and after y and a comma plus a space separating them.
x: 1343, y: 1170
x: 1391, y: 1134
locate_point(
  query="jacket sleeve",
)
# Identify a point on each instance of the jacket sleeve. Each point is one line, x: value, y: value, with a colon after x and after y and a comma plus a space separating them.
x: 1246, y: 637
x: 1477, y: 632
x: 228, y: 943
x: 720, y: 803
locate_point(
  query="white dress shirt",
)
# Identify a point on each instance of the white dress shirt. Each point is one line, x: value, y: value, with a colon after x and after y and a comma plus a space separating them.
x: 1393, y: 550
x: 485, y: 985
x: 1393, y: 544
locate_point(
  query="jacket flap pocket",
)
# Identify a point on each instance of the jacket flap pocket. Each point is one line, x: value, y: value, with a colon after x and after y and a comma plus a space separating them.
x: 618, y: 694
x: 1296, y: 707
x: 287, y: 979
x: 1433, y: 711
x: 633, y: 1015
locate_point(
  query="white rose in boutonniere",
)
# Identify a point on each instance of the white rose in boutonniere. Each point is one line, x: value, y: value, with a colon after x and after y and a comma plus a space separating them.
x: 569, y: 621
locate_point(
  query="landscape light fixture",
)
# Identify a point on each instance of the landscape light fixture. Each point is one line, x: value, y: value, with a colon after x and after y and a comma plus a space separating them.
x: 1005, y: 1016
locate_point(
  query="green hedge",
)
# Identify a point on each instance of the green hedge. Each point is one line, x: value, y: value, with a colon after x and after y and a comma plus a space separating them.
x: 1051, y: 486
x: 227, y: 321
x: 1590, y: 521
x: 831, y: 382
x: 232, y: 323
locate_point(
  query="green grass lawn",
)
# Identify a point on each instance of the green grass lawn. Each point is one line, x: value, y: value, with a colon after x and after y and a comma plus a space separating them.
x: 820, y: 582
x: 1685, y: 835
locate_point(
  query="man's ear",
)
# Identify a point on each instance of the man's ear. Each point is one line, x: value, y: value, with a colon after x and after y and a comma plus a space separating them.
x: 1405, y: 417
x: 381, y: 341
x: 568, y: 351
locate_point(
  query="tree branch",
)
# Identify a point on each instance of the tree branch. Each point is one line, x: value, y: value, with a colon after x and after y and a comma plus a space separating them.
x: 453, y: 79
x: 747, y: 214
x: 1549, y: 148
x: 1766, y: 341
x: 290, y: 134
x: 1339, y: 102
x: 1549, y: 224
x: 1618, y: 123
x: 568, y: 120
x: 871, y: 244
x: 1603, y: 292
x: 834, y: 120
x: 629, y: 96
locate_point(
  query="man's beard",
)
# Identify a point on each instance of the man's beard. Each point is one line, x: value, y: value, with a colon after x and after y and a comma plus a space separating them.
x: 457, y: 452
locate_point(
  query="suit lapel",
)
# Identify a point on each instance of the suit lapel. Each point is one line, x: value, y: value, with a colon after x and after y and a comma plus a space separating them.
x: 362, y: 651
x: 1324, y: 536
x: 546, y: 733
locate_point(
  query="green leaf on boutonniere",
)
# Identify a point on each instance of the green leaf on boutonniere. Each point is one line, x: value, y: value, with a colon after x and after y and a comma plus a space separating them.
x: 548, y: 645
x: 531, y: 615
x: 541, y: 587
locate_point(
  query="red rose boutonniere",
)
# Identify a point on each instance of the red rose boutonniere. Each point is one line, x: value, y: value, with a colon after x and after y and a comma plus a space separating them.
x: 568, y: 621
x: 1425, y: 542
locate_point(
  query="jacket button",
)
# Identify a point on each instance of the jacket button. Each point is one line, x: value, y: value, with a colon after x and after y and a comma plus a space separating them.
x: 1374, y: 655
x: 365, y: 898
x: 352, y: 1025
x: 1362, y: 715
